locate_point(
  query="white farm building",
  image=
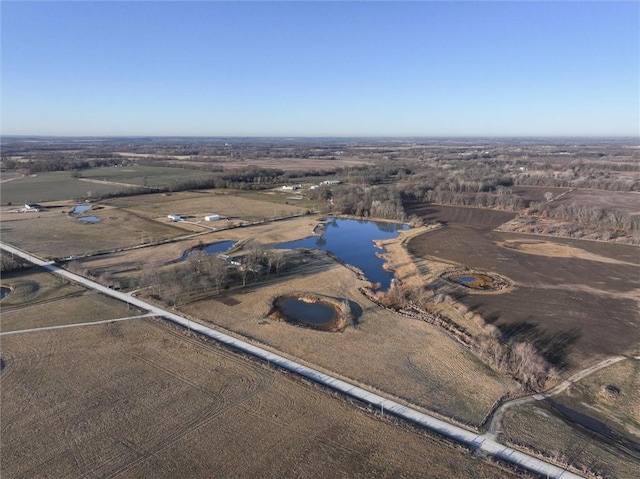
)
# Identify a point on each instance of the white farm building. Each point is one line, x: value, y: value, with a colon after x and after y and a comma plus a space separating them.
x: 212, y: 218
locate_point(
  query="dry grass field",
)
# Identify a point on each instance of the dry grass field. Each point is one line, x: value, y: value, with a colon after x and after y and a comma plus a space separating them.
x: 35, y: 286
x: 54, y: 234
x: 141, y: 399
x: 536, y: 429
x: 611, y: 395
x: 408, y: 358
x: 128, y: 264
x: 40, y: 299
x: 577, y: 307
x: 53, y: 186
x: 88, y: 307
x: 226, y: 203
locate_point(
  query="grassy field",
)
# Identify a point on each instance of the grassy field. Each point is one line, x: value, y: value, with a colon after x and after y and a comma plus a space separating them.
x: 535, y: 429
x: 577, y: 306
x: 143, y: 175
x: 69, y: 310
x: 140, y: 399
x: 408, y: 358
x: 193, y: 205
x: 54, y: 186
x: 35, y: 286
x: 54, y: 234
x: 41, y: 299
x: 611, y: 395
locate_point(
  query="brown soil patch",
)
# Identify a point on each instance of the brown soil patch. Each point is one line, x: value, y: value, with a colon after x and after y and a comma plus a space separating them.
x: 548, y: 248
x: 141, y: 399
x: 580, y: 308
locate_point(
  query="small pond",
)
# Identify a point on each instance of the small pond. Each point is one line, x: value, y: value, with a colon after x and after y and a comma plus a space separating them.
x: 89, y: 219
x: 466, y: 279
x: 4, y: 291
x: 352, y: 242
x: 316, y: 315
x: 80, y: 209
x: 211, y: 248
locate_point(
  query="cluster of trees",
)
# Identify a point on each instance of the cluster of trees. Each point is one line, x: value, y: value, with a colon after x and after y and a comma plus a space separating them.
x: 502, y: 199
x: 615, y: 222
x: 10, y: 262
x: 204, y: 274
x: 60, y: 163
x: 521, y: 360
x: 379, y: 201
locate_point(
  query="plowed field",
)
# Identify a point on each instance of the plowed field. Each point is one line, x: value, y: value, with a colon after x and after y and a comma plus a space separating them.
x: 578, y: 307
x: 141, y: 399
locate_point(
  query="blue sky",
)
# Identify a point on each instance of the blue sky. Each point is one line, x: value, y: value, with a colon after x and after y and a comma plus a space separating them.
x: 321, y: 68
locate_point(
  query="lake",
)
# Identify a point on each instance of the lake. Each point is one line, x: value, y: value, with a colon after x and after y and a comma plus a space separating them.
x: 352, y: 242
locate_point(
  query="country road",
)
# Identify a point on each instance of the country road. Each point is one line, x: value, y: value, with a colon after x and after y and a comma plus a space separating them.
x: 477, y: 442
x: 495, y: 426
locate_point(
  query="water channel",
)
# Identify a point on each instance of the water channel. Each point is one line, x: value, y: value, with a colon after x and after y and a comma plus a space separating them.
x: 352, y: 242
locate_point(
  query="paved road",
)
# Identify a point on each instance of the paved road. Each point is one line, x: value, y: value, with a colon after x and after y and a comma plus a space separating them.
x: 471, y: 439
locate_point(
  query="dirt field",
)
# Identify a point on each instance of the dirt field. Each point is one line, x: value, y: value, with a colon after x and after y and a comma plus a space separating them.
x: 578, y: 308
x: 536, y: 193
x: 409, y: 358
x: 618, y: 200
x: 139, y: 399
x: 536, y: 429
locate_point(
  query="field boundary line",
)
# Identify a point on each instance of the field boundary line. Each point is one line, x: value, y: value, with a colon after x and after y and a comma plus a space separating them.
x: 477, y: 442
x: 74, y: 325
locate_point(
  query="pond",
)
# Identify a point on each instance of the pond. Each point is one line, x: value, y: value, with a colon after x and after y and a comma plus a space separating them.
x: 80, y: 209
x: 89, y: 219
x: 211, y: 248
x: 466, y: 279
x: 316, y: 315
x: 352, y: 242
x: 4, y: 291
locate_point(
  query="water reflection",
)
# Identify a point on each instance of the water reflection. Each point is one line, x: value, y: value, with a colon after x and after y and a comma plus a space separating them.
x: 352, y: 242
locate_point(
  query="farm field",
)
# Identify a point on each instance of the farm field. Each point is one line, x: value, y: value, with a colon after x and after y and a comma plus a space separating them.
x: 41, y: 299
x: 53, y: 186
x: 33, y: 286
x: 227, y: 203
x: 535, y: 428
x: 608, y: 200
x: 136, y: 175
x: 53, y: 233
x: 141, y: 398
x: 408, y: 358
x: 87, y: 307
x: 579, y: 301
